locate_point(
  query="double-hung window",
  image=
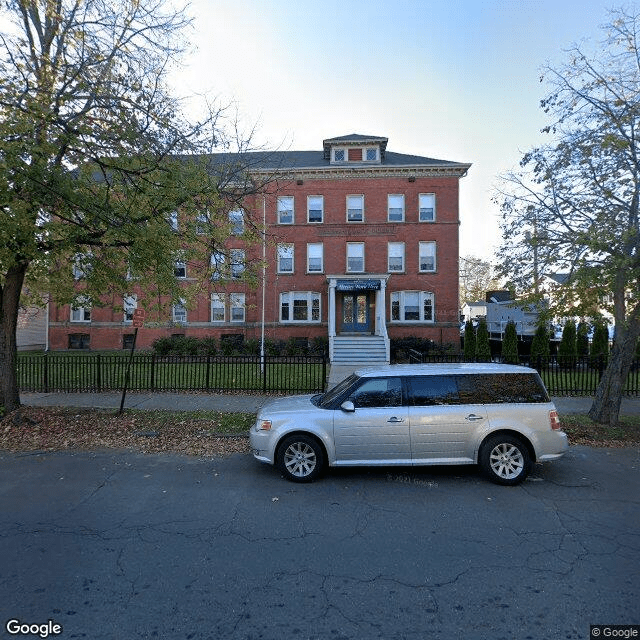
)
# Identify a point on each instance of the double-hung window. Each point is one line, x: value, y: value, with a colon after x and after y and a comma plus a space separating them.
x: 427, y: 257
x: 315, y: 208
x: 285, y: 258
x: 217, y: 265
x: 395, y: 257
x: 82, y: 312
x: 427, y: 207
x: 237, y: 306
x: 217, y: 307
x: 179, y: 312
x: 355, y: 257
x: 299, y: 306
x: 180, y: 269
x: 202, y: 223
x: 355, y: 208
x: 237, y: 263
x: 236, y: 219
x: 285, y: 209
x: 129, y: 305
x: 412, y: 306
x: 395, y: 208
x: 315, y: 257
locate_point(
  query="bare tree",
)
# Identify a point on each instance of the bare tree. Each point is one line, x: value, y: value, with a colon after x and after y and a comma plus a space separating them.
x: 573, y: 206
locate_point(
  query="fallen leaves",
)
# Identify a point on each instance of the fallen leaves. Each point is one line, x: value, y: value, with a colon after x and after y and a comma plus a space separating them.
x: 206, y: 434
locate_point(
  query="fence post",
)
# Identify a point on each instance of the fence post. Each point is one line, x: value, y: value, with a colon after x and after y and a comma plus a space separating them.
x: 45, y: 373
x: 98, y: 372
x: 264, y: 374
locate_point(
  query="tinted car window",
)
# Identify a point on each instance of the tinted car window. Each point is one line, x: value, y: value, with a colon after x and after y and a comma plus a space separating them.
x: 426, y: 391
x: 501, y: 388
x: 378, y: 392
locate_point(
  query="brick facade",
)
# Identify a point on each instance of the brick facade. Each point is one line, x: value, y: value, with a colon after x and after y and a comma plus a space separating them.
x: 415, y: 286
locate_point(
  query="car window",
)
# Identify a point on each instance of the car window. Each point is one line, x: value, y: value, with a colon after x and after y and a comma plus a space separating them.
x: 378, y: 392
x: 501, y: 388
x: 425, y: 391
x: 327, y: 400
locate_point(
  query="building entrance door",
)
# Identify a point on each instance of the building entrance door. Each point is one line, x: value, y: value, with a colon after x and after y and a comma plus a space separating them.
x: 355, y: 313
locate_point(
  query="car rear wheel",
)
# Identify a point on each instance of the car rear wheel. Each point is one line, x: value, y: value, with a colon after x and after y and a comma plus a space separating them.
x: 505, y: 459
x: 300, y: 458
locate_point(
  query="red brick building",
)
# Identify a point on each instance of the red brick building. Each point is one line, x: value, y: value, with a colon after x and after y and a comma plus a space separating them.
x: 362, y: 247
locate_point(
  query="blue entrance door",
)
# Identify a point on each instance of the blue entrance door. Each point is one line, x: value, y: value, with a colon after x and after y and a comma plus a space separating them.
x: 355, y: 313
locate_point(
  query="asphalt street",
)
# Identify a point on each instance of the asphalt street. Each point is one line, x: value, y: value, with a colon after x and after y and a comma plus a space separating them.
x: 115, y: 545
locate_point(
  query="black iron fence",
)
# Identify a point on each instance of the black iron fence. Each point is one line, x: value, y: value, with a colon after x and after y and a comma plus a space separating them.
x: 563, y: 376
x: 53, y: 372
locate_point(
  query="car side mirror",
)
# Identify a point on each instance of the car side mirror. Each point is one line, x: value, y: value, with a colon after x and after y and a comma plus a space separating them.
x: 347, y: 405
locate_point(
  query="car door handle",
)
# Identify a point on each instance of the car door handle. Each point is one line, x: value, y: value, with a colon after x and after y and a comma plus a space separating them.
x: 472, y: 417
x: 394, y: 419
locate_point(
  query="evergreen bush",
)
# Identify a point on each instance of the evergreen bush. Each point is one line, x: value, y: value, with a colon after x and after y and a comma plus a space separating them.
x: 469, y: 350
x: 483, y: 348
x: 510, y: 344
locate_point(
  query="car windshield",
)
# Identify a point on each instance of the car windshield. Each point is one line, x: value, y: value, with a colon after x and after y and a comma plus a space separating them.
x: 326, y: 401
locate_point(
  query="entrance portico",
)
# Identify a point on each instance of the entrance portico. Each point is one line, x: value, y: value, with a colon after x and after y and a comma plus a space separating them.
x: 357, y: 318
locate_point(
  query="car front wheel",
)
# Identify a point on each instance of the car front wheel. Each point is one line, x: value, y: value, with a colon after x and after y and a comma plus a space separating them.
x: 300, y: 458
x: 505, y: 459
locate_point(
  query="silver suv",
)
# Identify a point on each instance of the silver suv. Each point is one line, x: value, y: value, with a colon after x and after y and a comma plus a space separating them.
x: 498, y: 416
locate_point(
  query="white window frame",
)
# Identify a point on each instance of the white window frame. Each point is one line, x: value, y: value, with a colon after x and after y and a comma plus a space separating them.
x: 282, y: 210
x: 339, y: 151
x: 237, y: 263
x: 217, y: 263
x: 237, y: 301
x: 313, y: 306
x: 180, y: 267
x: 82, y: 265
x: 376, y: 152
x: 315, y: 251
x: 218, y: 302
x: 395, y: 250
x: 398, y: 307
x: 395, y: 199
x: 285, y: 251
x: 202, y: 223
x: 310, y: 201
x: 179, y: 312
x: 351, y: 200
x: 81, y: 314
x: 172, y: 219
x: 236, y: 220
x: 353, y: 255
x: 129, y: 305
x: 430, y: 253
x: 426, y: 202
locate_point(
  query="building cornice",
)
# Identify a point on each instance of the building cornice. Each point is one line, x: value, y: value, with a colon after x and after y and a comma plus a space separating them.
x: 343, y: 172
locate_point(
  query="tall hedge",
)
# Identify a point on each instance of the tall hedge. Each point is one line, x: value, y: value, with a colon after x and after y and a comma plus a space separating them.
x: 540, y: 344
x: 469, y: 342
x: 483, y: 348
x: 510, y: 344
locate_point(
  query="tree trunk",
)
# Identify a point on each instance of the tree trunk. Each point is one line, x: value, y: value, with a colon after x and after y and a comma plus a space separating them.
x: 9, y: 307
x: 606, y: 405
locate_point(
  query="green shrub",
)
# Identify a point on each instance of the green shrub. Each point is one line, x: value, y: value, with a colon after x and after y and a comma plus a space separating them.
x: 568, y: 348
x: 483, y: 347
x: 510, y: 344
x: 540, y: 344
x: 469, y: 341
x: 582, y: 339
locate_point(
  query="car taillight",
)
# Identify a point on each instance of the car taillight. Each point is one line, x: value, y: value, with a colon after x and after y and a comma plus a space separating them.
x: 554, y: 420
x: 265, y: 425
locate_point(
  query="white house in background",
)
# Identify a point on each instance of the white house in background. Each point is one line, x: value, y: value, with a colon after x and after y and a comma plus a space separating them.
x: 498, y: 310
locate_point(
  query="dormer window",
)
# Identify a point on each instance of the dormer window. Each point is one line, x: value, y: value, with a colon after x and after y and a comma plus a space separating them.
x: 356, y: 154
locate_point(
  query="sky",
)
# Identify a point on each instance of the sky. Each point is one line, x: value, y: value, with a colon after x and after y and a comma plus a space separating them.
x: 449, y: 79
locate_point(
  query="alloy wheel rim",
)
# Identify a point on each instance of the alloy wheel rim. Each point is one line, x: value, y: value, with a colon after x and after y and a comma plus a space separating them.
x: 300, y: 459
x: 506, y: 461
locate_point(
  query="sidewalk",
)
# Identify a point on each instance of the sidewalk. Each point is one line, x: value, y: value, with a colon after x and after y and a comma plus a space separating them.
x: 231, y: 403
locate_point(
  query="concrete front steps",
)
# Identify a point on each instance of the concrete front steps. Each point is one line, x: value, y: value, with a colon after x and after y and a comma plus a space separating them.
x: 365, y: 350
